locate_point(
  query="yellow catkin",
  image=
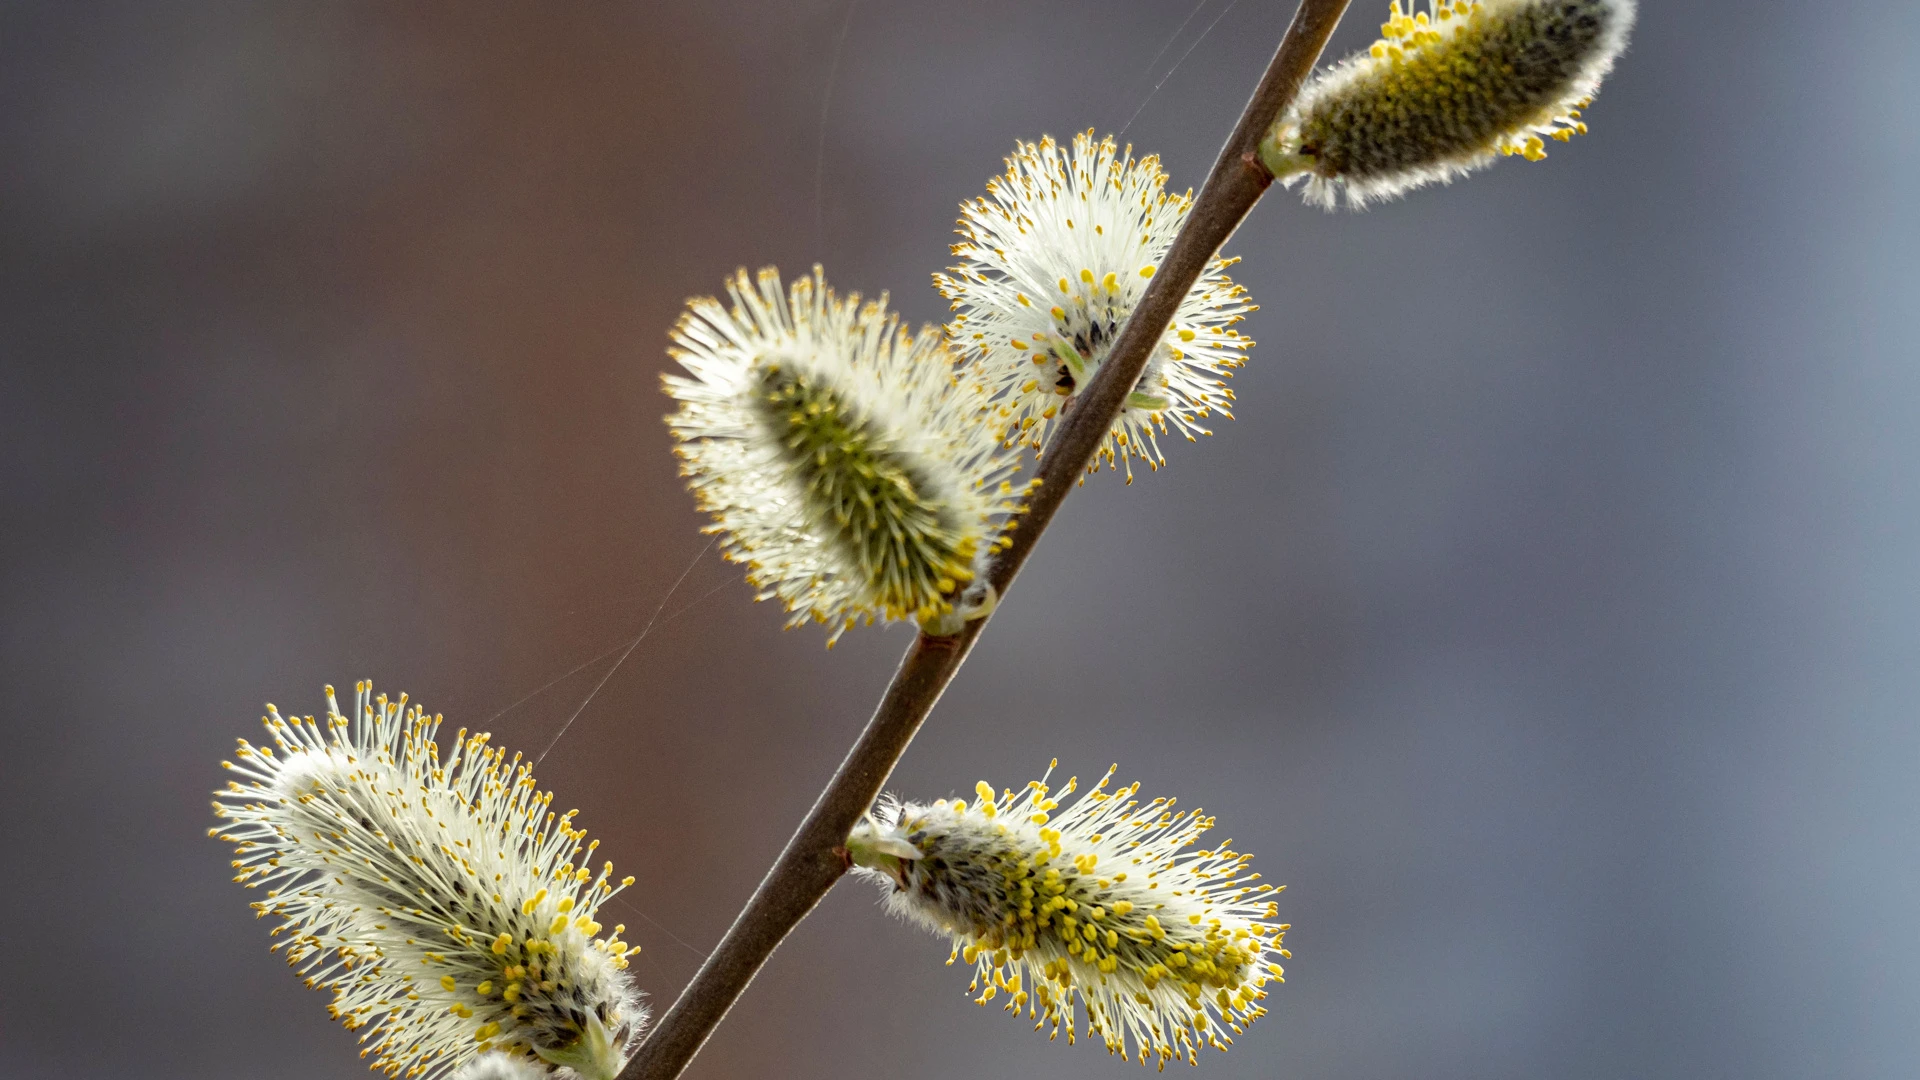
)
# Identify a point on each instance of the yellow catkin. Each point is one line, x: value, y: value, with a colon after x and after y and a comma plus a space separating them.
x: 1093, y: 221
x: 1446, y: 90
x: 1098, y: 902
x: 845, y: 461
x: 408, y: 882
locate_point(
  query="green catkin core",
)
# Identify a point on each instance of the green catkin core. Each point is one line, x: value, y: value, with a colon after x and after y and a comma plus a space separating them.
x: 869, y: 496
x: 1493, y: 76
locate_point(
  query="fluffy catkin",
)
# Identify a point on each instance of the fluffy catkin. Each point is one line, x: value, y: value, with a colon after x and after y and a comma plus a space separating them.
x: 1097, y: 902
x: 436, y: 895
x: 843, y: 459
x: 1445, y: 91
x: 1053, y: 261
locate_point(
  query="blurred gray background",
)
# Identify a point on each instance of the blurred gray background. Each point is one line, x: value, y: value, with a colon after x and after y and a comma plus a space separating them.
x: 1547, y: 621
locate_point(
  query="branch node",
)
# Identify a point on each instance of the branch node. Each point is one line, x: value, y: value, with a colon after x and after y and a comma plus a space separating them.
x: 944, y: 643
x: 1251, y: 161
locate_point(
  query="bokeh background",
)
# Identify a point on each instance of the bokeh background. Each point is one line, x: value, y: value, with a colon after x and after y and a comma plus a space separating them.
x: 1547, y: 621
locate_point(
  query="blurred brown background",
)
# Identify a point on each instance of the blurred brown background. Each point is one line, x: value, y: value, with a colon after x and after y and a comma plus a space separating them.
x: 1547, y: 621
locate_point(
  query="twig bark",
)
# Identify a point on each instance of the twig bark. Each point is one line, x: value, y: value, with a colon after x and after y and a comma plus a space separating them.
x: 815, y: 858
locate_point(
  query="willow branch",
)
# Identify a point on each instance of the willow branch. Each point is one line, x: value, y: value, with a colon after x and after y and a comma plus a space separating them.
x: 814, y: 858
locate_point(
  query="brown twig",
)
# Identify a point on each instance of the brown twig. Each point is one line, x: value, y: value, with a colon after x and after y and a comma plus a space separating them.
x: 814, y: 858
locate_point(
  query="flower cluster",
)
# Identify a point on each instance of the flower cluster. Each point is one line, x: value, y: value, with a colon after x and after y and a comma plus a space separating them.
x: 450, y: 912
x: 1053, y: 261
x: 846, y: 463
x: 1097, y: 902
x: 864, y: 473
x: 1445, y: 91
